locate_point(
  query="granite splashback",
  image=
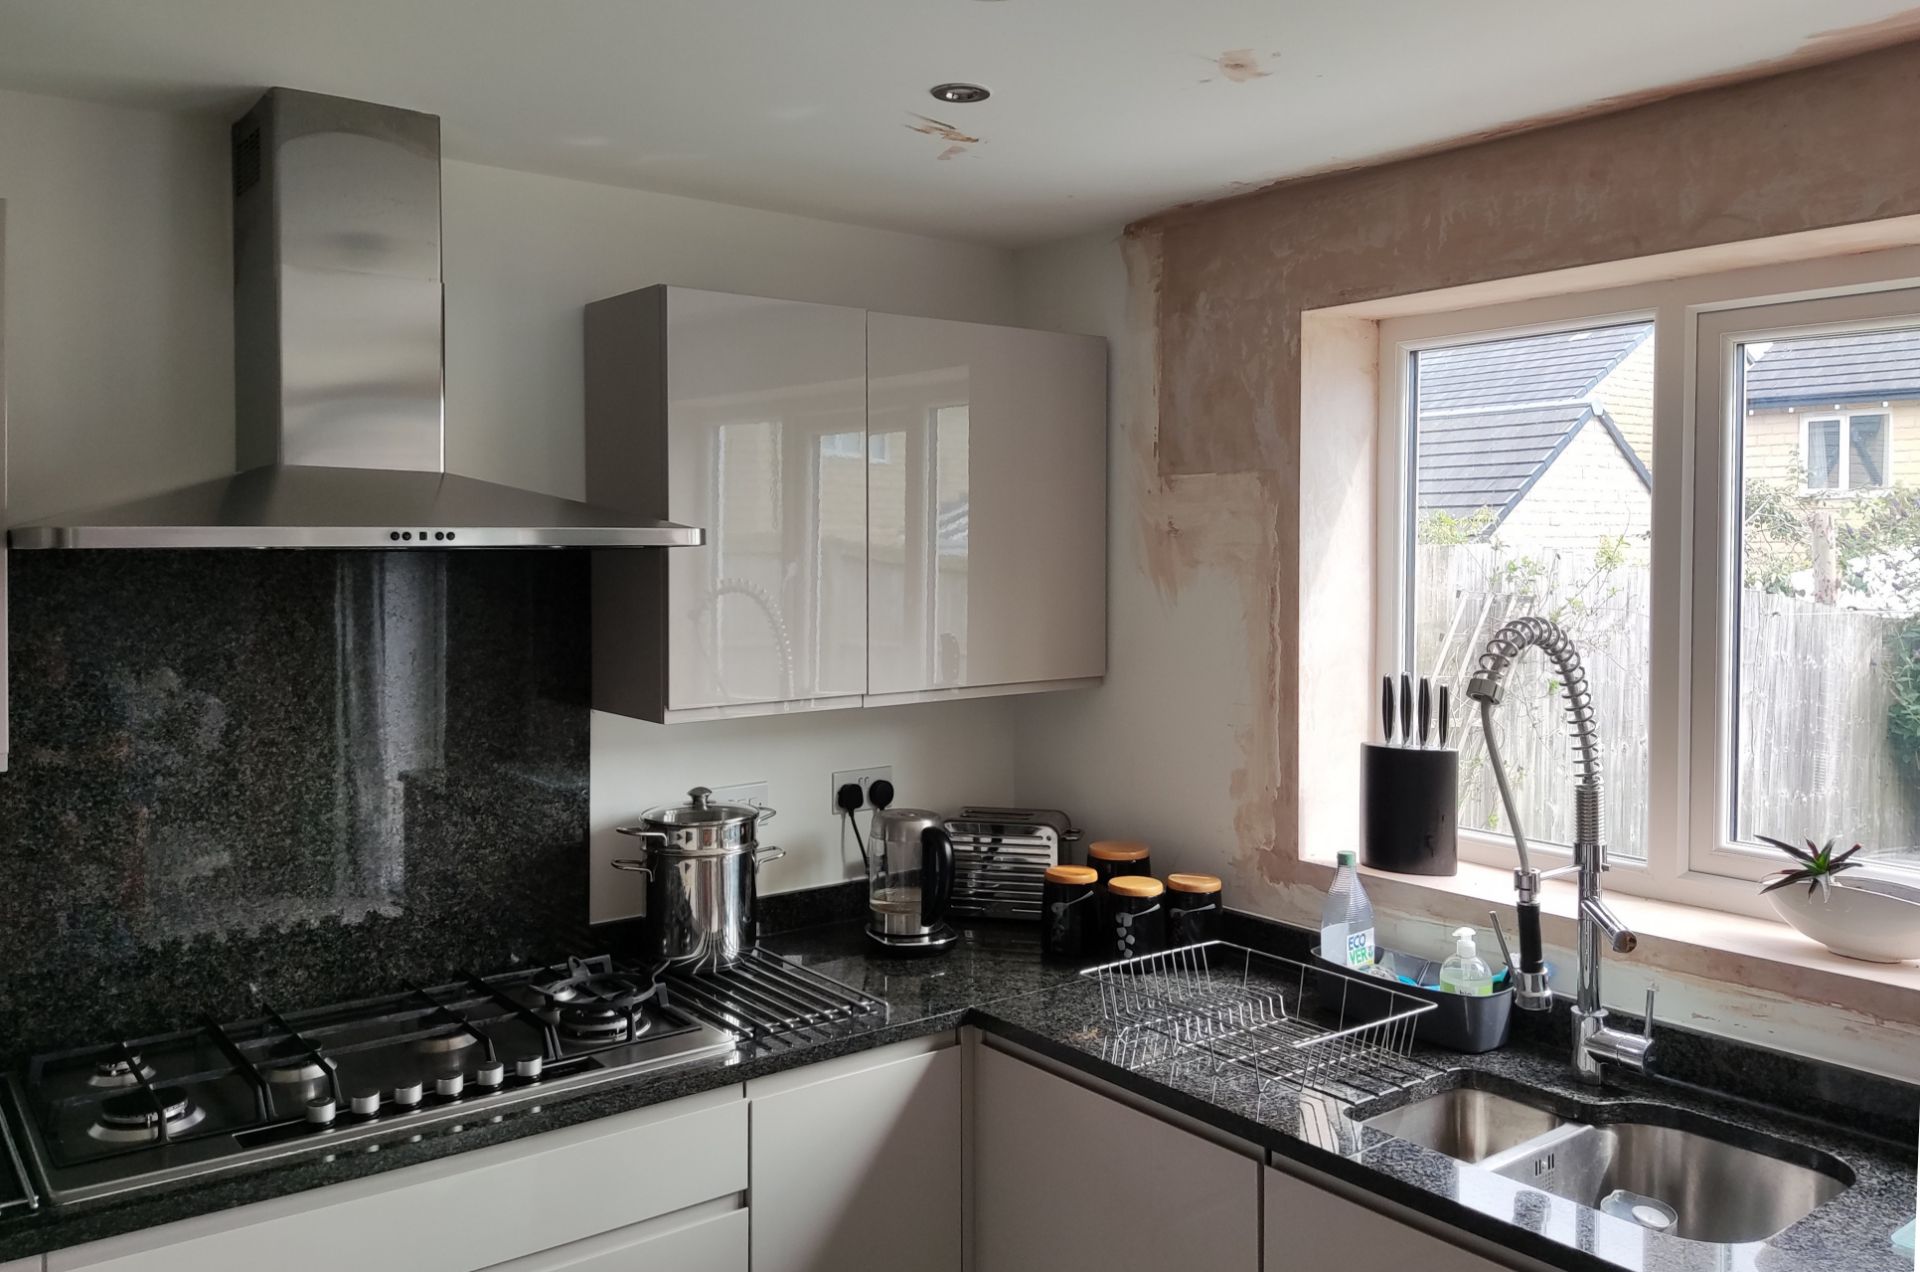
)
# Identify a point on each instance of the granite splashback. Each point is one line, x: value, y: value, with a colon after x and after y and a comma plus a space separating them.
x: 297, y: 777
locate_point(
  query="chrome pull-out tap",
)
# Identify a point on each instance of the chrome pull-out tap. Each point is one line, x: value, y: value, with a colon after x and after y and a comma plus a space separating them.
x: 1593, y: 1041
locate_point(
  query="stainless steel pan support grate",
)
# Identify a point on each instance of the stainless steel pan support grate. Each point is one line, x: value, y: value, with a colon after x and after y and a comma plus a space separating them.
x: 1308, y: 1028
x: 765, y: 998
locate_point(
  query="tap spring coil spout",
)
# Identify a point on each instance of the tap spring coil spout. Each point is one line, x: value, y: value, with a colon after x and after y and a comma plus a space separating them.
x: 1515, y: 638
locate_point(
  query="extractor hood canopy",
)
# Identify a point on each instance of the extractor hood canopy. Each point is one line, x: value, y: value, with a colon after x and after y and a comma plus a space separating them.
x: 338, y: 356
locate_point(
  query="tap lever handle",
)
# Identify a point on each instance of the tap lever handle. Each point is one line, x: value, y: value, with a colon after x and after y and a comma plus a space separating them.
x: 1646, y: 1021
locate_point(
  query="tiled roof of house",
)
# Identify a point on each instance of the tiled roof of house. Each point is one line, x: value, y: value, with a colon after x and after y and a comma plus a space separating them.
x: 1494, y: 415
x: 1856, y: 367
x: 1487, y: 459
x: 1560, y: 367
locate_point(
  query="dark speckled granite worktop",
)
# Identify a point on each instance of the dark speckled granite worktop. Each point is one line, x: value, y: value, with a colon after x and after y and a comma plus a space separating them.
x: 994, y: 979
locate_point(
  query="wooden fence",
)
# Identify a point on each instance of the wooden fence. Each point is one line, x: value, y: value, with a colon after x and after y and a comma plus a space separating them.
x: 1814, y: 759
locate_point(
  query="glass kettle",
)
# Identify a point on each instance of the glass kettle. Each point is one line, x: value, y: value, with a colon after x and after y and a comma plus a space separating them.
x: 909, y: 881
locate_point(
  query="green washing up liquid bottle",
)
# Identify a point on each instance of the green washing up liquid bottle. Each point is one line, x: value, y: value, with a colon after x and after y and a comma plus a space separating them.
x: 1466, y: 972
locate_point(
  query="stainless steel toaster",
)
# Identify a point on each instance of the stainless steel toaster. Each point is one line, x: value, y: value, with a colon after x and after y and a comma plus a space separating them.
x: 1000, y: 856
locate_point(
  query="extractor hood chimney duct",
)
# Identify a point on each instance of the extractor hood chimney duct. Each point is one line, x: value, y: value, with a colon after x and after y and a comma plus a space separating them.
x: 338, y: 358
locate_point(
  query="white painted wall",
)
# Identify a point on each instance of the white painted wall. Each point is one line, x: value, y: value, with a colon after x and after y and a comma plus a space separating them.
x: 120, y: 379
x: 1151, y: 753
x: 119, y: 302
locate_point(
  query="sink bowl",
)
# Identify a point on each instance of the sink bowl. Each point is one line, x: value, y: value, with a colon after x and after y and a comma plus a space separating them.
x: 1667, y: 1170
x: 1468, y: 1124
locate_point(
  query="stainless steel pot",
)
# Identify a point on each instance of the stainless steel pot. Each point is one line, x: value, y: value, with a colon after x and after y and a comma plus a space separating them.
x: 702, y: 865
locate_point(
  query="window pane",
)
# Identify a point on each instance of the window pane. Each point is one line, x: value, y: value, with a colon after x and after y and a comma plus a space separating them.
x: 1533, y: 495
x: 1866, y: 451
x: 1823, y: 454
x: 1827, y: 677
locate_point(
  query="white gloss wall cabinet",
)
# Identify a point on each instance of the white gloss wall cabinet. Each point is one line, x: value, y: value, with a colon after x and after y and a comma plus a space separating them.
x: 857, y: 1164
x: 987, y: 507
x: 675, y: 1174
x: 1309, y: 1230
x: 1067, y: 1179
x: 897, y: 509
x: 746, y: 417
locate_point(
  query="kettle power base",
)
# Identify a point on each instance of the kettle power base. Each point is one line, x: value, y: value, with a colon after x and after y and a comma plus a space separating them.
x: 941, y: 937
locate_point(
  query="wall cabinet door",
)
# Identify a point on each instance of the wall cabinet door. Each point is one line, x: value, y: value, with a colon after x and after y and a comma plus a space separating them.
x: 859, y: 1167
x: 987, y: 505
x: 1310, y: 1230
x: 1065, y: 1178
x: 746, y: 417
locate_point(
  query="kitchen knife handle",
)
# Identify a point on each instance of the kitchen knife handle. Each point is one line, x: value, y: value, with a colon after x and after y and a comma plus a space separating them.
x: 1406, y: 709
x: 1386, y: 710
x: 1426, y: 708
x: 1445, y: 711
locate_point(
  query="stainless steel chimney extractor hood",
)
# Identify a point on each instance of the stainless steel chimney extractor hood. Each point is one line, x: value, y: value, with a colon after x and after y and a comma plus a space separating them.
x: 338, y: 363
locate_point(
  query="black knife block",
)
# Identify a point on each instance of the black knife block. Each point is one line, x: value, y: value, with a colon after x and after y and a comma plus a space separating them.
x: 1410, y: 801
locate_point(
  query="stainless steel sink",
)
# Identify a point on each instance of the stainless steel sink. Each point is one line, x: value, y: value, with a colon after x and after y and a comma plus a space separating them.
x: 1637, y: 1162
x: 1467, y: 1124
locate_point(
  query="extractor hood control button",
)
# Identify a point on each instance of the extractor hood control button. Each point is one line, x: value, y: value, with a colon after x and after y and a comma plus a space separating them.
x: 452, y: 1084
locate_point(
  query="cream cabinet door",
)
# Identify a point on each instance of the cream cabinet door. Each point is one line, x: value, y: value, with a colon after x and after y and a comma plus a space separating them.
x: 1071, y: 1181
x: 857, y: 1164
x: 1310, y: 1230
x: 746, y: 417
x: 987, y: 506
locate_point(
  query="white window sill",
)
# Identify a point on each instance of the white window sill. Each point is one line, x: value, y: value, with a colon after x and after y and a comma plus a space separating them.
x: 1711, y: 947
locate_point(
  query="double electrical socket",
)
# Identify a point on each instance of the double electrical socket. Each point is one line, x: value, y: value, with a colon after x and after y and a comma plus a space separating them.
x: 863, y: 778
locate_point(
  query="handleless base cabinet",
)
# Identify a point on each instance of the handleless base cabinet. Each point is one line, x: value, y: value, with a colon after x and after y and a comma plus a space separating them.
x: 1067, y: 1179
x: 856, y: 1164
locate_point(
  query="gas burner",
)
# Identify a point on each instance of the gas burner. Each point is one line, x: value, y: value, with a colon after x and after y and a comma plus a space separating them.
x: 120, y: 1071
x: 441, y: 1044
x: 291, y: 1065
x: 602, y: 1022
x: 130, y: 1118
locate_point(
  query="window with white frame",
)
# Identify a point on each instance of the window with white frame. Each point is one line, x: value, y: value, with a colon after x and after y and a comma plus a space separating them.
x: 1753, y: 644
x: 1845, y: 452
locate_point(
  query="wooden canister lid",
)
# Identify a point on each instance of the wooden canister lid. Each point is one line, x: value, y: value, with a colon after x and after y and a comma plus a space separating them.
x: 1071, y: 874
x: 1135, y: 886
x: 1117, y: 850
x: 1193, y: 883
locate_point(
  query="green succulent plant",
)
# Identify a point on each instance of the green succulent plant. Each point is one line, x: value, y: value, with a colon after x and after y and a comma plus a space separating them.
x: 1817, y: 866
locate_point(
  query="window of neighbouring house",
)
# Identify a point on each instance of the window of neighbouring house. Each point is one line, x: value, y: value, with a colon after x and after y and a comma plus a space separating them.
x: 1532, y: 494
x: 1846, y: 452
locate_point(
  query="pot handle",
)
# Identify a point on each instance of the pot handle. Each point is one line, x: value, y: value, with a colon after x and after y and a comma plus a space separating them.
x: 761, y: 856
x: 648, y: 839
x: 766, y: 815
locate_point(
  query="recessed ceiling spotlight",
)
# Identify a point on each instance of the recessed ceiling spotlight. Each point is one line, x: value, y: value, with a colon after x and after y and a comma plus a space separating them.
x: 960, y: 93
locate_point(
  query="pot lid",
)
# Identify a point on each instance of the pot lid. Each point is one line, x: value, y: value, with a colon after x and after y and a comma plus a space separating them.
x: 700, y: 810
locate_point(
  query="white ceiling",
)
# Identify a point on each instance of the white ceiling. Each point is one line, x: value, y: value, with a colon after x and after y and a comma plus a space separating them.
x: 1102, y: 110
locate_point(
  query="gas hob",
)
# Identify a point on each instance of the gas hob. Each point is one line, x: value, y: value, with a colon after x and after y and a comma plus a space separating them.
x: 146, y: 1112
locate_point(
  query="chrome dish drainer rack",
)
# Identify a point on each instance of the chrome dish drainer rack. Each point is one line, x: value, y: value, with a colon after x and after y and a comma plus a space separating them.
x: 1313, y: 1030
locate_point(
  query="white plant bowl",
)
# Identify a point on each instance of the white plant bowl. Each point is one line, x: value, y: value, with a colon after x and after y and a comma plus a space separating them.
x: 1868, y: 919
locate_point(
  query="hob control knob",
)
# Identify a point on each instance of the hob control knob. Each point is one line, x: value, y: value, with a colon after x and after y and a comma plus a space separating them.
x: 527, y: 1067
x: 408, y: 1095
x: 365, y: 1103
x: 451, y: 1084
x: 490, y: 1074
x: 320, y: 1110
